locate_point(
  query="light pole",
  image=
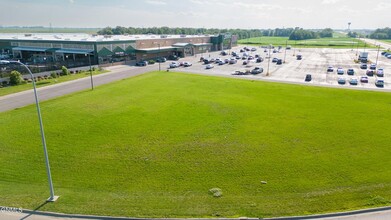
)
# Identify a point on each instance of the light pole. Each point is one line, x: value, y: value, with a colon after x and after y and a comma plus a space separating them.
x: 89, y: 61
x: 358, y: 42
x: 268, y: 63
x: 286, y: 45
x: 160, y: 58
x: 377, y: 56
x: 52, y: 197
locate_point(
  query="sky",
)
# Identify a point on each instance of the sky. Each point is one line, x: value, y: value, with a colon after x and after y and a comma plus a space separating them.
x: 245, y: 14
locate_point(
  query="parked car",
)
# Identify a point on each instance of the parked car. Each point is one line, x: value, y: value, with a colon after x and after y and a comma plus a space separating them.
x: 353, y: 81
x: 308, y: 78
x: 257, y: 70
x: 299, y: 56
x: 350, y: 71
x: 223, y: 53
x: 232, y: 61
x: 142, y: 63
x: 274, y: 60
x: 161, y: 60
x: 173, y: 57
x: 363, y: 66
x: 330, y: 69
x: 226, y: 60
x: 245, y: 62
x: 221, y: 62
x: 187, y: 64
x: 206, y: 61
x: 253, y: 49
x: 364, y: 79
x: 209, y: 66
x: 341, y: 80
x: 379, y: 82
x: 279, y: 62
x: 370, y: 72
x: 174, y: 65
x: 259, y: 60
x: 238, y: 72
x: 340, y: 71
x: 372, y: 66
x: 380, y: 72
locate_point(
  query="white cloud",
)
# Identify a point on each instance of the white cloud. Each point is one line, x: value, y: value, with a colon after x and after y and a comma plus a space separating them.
x: 382, y: 6
x: 330, y: 2
x: 156, y: 2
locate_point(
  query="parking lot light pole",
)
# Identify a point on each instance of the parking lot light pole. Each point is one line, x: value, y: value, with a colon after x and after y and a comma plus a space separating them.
x: 268, y: 63
x: 377, y: 56
x: 160, y: 58
x: 89, y: 61
x: 286, y: 45
x: 52, y: 197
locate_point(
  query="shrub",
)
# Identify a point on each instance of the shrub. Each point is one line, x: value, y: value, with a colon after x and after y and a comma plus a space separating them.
x: 216, y: 192
x: 151, y: 61
x: 4, y: 83
x: 72, y: 72
x: 16, y: 78
x: 53, y: 75
x: 64, y: 71
x: 93, y: 68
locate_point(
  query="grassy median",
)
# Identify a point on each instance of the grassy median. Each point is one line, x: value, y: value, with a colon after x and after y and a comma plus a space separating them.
x: 154, y: 145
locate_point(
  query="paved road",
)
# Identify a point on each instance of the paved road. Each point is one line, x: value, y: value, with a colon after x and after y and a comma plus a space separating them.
x: 24, y: 98
x: 384, y: 45
x: 380, y: 215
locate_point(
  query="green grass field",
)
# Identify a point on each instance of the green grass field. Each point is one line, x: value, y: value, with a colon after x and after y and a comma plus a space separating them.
x: 335, y: 42
x: 47, y: 82
x: 153, y: 146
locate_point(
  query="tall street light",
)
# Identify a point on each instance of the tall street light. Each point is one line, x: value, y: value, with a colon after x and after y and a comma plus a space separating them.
x: 52, y: 197
x: 89, y: 61
x: 160, y: 58
x: 377, y: 56
x: 268, y: 64
x: 286, y: 45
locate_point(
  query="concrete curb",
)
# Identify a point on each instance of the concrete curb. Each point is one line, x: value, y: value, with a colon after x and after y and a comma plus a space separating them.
x: 337, y: 214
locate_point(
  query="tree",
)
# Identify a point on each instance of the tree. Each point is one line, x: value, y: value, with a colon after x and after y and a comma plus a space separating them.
x: 16, y: 78
x: 327, y: 32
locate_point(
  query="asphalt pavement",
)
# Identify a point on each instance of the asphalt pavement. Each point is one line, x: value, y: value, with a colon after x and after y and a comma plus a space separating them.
x: 21, y: 99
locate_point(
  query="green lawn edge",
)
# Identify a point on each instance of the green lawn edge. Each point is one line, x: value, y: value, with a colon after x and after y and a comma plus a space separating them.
x: 75, y: 195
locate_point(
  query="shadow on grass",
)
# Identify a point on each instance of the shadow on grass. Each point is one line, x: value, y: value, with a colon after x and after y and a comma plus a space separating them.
x: 34, y: 211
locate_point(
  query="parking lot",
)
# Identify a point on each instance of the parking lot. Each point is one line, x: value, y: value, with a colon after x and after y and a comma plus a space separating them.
x: 315, y: 61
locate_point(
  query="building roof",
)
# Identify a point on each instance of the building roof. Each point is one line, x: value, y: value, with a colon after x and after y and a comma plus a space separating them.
x: 90, y: 38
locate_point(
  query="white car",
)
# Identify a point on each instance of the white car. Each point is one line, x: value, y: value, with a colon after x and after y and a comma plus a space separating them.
x: 187, y: 64
x: 340, y: 71
x: 209, y: 66
x: 174, y: 65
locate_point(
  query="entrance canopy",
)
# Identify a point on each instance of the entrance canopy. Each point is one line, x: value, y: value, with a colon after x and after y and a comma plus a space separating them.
x: 74, y: 51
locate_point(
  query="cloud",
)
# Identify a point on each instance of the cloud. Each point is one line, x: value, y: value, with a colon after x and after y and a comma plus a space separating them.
x: 329, y: 2
x: 71, y: 1
x: 156, y: 2
x: 383, y: 6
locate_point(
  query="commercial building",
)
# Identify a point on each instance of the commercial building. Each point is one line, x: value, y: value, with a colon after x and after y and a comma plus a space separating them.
x: 72, y: 50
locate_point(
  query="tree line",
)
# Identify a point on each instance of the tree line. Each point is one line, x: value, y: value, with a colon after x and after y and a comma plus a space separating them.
x: 241, y: 33
x: 381, y: 33
x: 292, y: 33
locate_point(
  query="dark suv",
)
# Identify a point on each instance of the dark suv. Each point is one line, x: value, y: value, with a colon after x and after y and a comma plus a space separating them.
x: 308, y: 78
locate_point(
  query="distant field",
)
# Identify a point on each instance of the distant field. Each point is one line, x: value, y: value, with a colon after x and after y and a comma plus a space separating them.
x: 154, y: 145
x: 48, y: 30
x: 335, y: 42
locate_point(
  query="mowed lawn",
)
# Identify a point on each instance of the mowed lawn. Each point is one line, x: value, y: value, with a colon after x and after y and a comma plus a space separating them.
x: 335, y: 42
x: 154, y: 145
